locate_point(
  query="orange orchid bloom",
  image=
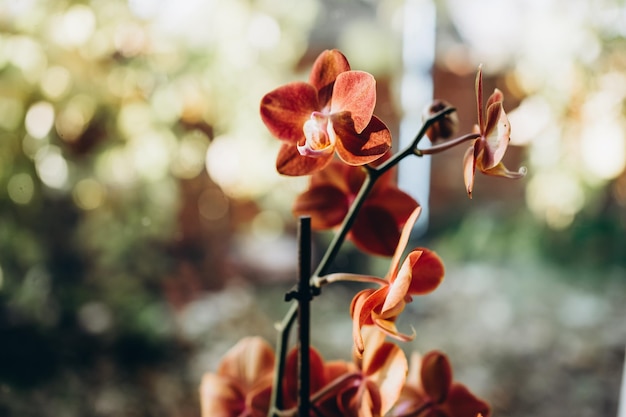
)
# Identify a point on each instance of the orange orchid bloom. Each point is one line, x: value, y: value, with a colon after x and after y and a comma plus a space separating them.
x: 487, y: 151
x: 368, y: 387
x: 377, y: 226
x: 421, y: 272
x: 431, y: 392
x: 242, y: 385
x: 332, y: 112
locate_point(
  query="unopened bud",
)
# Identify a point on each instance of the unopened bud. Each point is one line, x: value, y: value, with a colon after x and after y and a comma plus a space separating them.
x: 445, y: 127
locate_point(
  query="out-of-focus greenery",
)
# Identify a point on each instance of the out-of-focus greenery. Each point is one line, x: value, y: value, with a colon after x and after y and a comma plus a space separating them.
x: 112, y: 216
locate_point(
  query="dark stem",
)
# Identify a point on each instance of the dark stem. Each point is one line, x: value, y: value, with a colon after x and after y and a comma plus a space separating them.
x: 304, y: 315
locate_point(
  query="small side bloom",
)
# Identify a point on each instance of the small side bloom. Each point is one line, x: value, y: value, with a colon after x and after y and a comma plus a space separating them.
x: 331, y: 113
x: 420, y: 273
x: 487, y: 151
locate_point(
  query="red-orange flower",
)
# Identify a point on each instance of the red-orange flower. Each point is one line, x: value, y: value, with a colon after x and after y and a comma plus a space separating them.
x: 487, y: 151
x: 377, y: 226
x: 242, y: 385
x: 431, y: 392
x: 332, y: 112
x: 368, y: 387
x: 421, y: 272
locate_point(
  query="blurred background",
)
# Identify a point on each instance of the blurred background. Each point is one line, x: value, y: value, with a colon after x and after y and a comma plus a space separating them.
x: 144, y: 230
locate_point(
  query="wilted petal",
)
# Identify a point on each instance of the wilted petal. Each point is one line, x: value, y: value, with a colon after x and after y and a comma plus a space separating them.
x: 427, y: 271
x: 326, y: 205
x: 328, y: 65
x: 290, y: 162
x: 355, y: 93
x: 436, y: 375
x: 360, y: 148
x: 285, y: 110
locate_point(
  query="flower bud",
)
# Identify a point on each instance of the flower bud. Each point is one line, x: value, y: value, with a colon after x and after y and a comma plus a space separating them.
x: 445, y: 127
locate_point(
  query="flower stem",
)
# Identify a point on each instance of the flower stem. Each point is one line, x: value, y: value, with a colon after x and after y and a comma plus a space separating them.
x: 304, y: 315
x: 448, y: 144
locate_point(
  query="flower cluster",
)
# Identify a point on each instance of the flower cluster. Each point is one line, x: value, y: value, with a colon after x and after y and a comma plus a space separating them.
x: 376, y: 384
x: 328, y: 130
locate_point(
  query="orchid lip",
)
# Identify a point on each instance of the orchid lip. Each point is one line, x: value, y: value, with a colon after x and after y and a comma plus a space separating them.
x: 319, y: 136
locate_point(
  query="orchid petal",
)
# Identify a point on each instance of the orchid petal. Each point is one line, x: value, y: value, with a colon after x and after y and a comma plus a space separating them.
x: 375, y: 231
x: 387, y: 367
x: 359, y: 148
x: 497, y: 136
x: 404, y: 239
x: 493, y: 116
x: 426, y: 271
x: 394, y: 201
x: 495, y: 97
x: 359, y: 318
x: 285, y: 110
x: 436, y: 375
x: 250, y: 359
x: 259, y: 399
x: 290, y: 162
x: 462, y: 403
x: 355, y: 93
x: 501, y: 171
x: 290, y: 378
x: 326, y: 205
x: 334, y: 175
x: 415, y: 365
x: 377, y: 227
x: 399, y: 287
x: 479, y: 98
x: 219, y: 397
x: 469, y: 168
x: 328, y: 65
x: 389, y: 327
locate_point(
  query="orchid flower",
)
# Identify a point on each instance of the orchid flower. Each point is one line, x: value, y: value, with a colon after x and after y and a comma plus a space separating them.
x: 430, y: 391
x: 421, y: 272
x: 487, y: 151
x: 331, y: 113
x: 241, y: 387
x: 377, y: 226
x: 368, y: 387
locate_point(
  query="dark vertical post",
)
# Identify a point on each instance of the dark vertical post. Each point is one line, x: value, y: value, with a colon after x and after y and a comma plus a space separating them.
x: 304, y: 315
